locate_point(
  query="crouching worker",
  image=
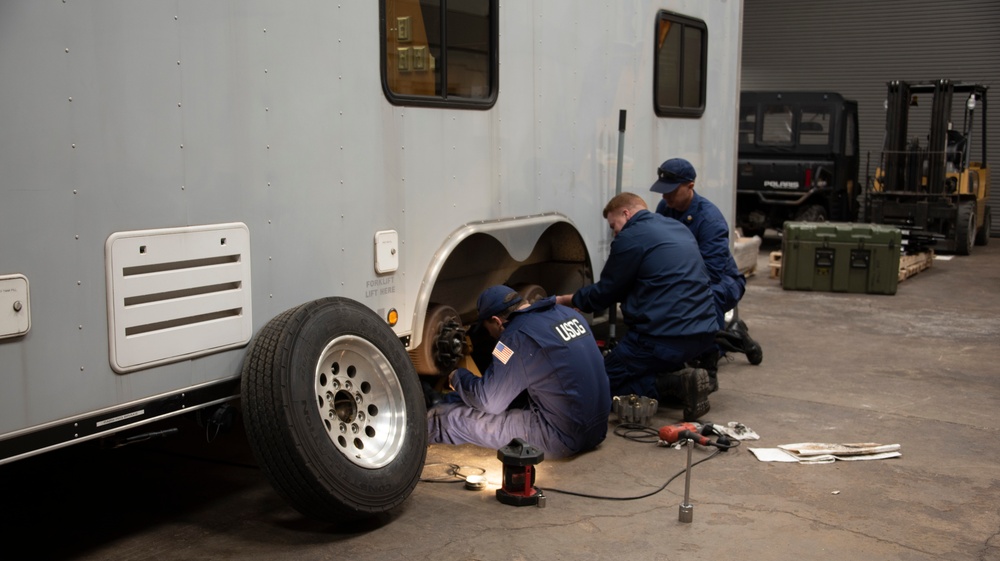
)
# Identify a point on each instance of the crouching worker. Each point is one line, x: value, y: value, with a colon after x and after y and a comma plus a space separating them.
x: 544, y: 350
x: 658, y: 275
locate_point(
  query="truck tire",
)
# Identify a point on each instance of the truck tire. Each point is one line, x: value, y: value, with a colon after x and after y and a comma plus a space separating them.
x: 965, y: 228
x: 983, y: 234
x: 334, y: 411
x: 812, y: 213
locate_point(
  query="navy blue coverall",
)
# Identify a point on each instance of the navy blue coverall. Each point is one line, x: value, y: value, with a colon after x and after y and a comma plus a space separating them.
x: 550, y: 352
x: 709, y: 227
x: 657, y: 273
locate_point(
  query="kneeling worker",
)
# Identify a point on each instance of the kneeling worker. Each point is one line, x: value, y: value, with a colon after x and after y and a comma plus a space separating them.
x: 657, y: 273
x: 675, y: 182
x: 545, y: 350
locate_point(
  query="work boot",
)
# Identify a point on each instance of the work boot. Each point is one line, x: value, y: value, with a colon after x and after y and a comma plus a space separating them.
x: 710, y: 362
x: 670, y: 389
x: 697, y: 386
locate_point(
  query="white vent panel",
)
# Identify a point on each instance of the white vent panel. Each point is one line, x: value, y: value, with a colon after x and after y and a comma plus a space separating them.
x: 177, y: 293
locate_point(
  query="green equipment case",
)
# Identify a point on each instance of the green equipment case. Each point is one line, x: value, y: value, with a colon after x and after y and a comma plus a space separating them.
x: 840, y: 257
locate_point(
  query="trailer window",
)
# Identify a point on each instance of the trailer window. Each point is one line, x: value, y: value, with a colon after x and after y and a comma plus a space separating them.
x: 679, y: 67
x: 439, y: 52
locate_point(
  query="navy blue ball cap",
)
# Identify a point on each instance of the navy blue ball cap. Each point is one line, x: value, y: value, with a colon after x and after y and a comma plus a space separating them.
x: 495, y: 299
x: 672, y: 174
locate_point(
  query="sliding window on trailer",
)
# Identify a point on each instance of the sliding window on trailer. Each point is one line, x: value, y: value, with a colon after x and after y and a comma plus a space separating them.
x: 680, y: 66
x: 439, y: 52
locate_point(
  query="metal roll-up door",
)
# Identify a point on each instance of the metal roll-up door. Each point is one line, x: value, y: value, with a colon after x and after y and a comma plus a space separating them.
x: 856, y: 46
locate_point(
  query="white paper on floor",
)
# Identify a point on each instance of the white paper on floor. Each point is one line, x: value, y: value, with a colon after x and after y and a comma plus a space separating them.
x: 825, y: 453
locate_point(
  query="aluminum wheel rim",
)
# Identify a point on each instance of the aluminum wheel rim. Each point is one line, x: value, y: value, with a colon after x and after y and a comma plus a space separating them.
x: 360, y: 401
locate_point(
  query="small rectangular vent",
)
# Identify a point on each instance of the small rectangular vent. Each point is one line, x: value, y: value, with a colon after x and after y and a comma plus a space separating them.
x: 190, y: 264
x: 177, y: 293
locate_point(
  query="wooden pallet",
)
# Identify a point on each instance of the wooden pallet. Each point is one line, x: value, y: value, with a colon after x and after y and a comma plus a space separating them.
x: 909, y: 265
x: 774, y: 262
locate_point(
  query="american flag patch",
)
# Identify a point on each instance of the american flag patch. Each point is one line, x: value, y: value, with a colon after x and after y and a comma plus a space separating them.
x: 503, y: 352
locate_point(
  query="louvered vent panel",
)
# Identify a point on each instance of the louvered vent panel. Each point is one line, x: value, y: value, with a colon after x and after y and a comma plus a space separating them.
x: 177, y: 293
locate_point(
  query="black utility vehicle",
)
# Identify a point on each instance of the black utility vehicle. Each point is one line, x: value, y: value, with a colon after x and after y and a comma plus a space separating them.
x: 798, y: 159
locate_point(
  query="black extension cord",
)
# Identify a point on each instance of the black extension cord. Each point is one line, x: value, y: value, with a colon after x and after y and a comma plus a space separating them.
x: 630, y: 431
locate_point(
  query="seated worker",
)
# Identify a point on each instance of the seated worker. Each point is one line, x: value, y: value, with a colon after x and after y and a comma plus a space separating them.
x: 656, y: 271
x: 544, y: 350
x: 676, y: 183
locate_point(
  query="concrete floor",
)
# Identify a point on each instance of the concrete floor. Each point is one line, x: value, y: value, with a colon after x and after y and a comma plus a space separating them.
x: 918, y: 369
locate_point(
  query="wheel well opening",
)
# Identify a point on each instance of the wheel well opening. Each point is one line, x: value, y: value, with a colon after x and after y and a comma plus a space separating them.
x: 558, y: 262
x: 555, y: 262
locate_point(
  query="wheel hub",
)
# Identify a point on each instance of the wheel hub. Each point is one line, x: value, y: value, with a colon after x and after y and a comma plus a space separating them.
x: 360, y: 401
x: 449, y: 348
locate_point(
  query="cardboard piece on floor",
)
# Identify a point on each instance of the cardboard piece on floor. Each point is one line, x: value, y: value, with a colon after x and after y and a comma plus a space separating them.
x: 850, y: 449
x: 824, y: 453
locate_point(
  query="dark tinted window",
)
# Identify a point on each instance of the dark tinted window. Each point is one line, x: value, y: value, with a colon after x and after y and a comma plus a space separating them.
x: 777, y: 122
x: 814, y: 126
x: 680, y: 59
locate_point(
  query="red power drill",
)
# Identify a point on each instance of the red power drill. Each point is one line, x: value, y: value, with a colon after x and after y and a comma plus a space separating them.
x: 683, y: 431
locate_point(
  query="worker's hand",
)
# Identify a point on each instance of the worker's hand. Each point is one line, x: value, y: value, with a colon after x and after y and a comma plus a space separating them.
x: 451, y: 379
x: 564, y: 299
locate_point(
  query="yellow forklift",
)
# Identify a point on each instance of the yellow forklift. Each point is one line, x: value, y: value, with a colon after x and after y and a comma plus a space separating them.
x: 932, y: 187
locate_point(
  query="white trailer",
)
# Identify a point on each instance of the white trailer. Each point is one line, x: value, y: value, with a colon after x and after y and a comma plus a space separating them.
x: 295, y: 204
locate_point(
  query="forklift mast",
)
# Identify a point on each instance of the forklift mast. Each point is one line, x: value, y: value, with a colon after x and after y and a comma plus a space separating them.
x: 908, y: 167
x: 936, y: 187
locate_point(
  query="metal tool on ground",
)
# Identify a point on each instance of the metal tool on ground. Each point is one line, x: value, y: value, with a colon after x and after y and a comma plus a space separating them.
x: 634, y: 408
x: 686, y: 512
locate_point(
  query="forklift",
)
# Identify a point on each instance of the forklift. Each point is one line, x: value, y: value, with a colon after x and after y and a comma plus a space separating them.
x: 933, y: 190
